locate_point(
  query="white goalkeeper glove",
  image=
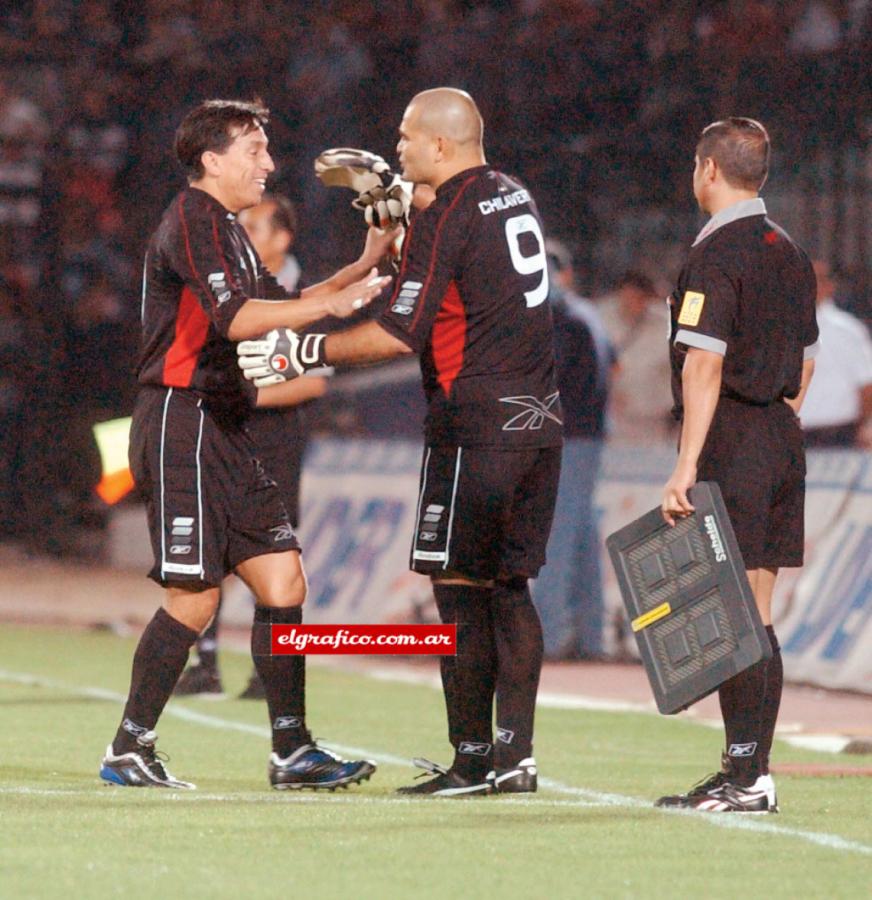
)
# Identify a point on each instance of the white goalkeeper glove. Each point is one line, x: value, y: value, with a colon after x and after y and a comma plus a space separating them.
x: 280, y: 355
x: 383, y: 196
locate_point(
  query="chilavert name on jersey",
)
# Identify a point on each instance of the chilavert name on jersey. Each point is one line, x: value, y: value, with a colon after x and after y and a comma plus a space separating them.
x: 497, y: 204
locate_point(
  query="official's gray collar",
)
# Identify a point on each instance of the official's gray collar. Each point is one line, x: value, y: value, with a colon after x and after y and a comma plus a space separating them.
x: 740, y: 210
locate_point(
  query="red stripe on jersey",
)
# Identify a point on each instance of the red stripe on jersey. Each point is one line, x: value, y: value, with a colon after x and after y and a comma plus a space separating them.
x: 230, y: 280
x: 432, y: 266
x: 192, y: 327
x: 194, y: 271
x: 448, y: 339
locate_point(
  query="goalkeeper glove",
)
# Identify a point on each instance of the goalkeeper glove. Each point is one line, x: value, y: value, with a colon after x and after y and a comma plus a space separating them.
x: 279, y: 356
x: 383, y: 196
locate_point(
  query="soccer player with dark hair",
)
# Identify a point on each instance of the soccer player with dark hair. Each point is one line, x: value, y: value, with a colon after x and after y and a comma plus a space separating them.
x: 211, y: 507
x: 470, y: 299
x: 743, y: 340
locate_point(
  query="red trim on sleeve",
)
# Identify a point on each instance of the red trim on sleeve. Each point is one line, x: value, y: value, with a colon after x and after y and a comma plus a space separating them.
x: 192, y: 328
x: 423, y: 296
x: 183, y: 222
x: 449, y: 338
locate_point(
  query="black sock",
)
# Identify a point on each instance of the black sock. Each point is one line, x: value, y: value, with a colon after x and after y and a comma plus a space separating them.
x: 207, y: 642
x: 744, y: 706
x: 771, y: 700
x: 157, y: 663
x: 468, y: 679
x: 518, y: 634
x: 283, y: 678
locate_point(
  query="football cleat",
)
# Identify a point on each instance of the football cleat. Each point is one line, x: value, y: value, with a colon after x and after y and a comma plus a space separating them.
x: 200, y: 681
x: 314, y: 767
x: 140, y: 768
x: 520, y: 779
x: 254, y: 689
x: 701, y: 788
x: 447, y: 783
x: 757, y: 798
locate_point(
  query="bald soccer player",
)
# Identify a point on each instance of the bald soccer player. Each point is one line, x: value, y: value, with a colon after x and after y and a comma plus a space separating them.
x: 470, y: 300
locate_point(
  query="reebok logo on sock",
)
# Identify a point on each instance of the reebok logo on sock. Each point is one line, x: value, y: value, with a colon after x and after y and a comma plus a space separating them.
x: 742, y: 749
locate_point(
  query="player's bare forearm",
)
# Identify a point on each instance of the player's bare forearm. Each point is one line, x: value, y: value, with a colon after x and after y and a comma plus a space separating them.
x: 366, y: 343
x: 292, y: 393
x: 701, y: 387
x: 807, y: 371
x: 257, y: 317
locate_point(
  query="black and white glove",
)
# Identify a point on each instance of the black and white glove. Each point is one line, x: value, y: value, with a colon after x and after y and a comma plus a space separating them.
x: 383, y: 196
x: 386, y: 207
x: 280, y: 355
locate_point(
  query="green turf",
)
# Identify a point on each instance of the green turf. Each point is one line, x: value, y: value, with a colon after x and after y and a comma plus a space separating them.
x: 590, y: 833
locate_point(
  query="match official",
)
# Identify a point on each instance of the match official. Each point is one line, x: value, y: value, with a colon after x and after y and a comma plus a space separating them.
x: 471, y: 300
x: 743, y: 338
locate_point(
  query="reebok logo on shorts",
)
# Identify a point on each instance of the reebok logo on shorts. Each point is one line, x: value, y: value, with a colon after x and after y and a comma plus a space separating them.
x: 474, y: 749
x: 742, y: 749
x: 183, y: 528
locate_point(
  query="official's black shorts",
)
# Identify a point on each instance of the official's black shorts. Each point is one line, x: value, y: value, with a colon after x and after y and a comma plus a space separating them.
x: 210, y: 506
x: 756, y: 455
x: 485, y: 513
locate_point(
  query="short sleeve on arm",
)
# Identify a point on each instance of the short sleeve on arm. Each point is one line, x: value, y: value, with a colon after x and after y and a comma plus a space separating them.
x: 204, y: 259
x: 425, y: 275
x: 707, y: 309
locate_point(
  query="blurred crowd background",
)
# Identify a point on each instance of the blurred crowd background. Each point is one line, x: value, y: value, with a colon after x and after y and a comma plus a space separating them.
x: 596, y: 105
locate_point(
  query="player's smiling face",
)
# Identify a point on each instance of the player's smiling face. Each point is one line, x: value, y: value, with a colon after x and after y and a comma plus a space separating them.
x: 242, y: 170
x: 416, y: 149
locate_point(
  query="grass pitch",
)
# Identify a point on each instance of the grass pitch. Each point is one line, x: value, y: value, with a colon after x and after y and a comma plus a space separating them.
x: 590, y: 831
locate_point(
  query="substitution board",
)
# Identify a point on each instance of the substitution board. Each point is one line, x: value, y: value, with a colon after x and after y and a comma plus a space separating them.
x: 688, y: 599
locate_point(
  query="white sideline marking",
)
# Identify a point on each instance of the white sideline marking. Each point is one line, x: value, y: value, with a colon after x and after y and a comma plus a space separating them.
x: 584, y: 797
x: 822, y: 743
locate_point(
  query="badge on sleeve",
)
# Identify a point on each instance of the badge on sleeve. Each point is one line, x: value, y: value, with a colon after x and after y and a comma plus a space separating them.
x: 691, y: 308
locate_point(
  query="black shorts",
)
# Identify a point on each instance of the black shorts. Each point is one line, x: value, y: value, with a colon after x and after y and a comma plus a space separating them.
x: 756, y: 455
x: 485, y: 513
x: 279, y: 443
x: 210, y: 506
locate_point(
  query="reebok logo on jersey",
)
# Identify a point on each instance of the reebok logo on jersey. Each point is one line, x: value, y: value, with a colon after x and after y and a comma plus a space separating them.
x: 691, y: 308
x: 407, y: 298
x: 180, y: 549
x: 218, y: 284
x: 473, y: 748
x: 742, y: 749
x: 535, y: 412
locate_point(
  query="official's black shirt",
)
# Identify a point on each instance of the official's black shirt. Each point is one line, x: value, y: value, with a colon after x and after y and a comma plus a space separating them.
x: 747, y: 292
x: 200, y: 268
x: 471, y: 299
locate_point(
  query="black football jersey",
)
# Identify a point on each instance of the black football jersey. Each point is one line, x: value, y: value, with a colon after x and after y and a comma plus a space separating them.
x: 200, y: 268
x: 747, y: 292
x: 471, y: 300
